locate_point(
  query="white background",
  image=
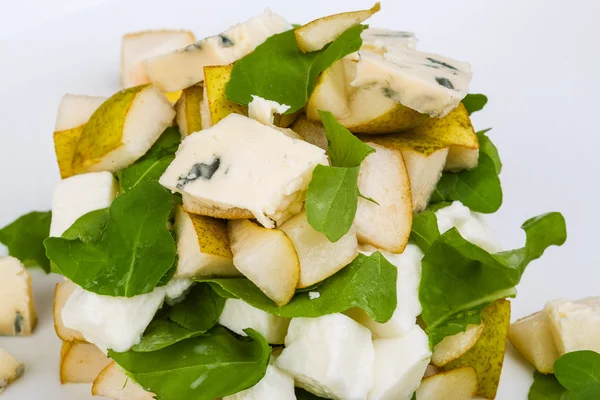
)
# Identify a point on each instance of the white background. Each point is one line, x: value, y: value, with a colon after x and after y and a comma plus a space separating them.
x: 537, y: 60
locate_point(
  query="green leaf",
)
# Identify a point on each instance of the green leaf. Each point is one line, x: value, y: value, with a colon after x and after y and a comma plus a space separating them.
x: 278, y: 70
x: 25, y: 237
x: 124, y: 251
x: 367, y: 282
x: 486, y: 146
x: 332, y: 199
x: 579, y: 373
x: 459, y: 278
x: 302, y: 394
x: 545, y: 387
x: 474, y: 102
x: 211, y: 366
x: 153, y: 164
x: 344, y: 149
x: 424, y: 230
x: 194, y: 316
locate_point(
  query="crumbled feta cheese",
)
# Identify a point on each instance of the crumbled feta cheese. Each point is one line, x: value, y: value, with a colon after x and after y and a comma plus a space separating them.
x: 238, y: 315
x: 276, y: 385
x: 314, y: 295
x: 264, y: 110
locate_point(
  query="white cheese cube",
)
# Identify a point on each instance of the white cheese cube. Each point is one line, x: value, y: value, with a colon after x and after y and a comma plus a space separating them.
x: 17, y: 309
x: 331, y: 356
x: 382, y: 40
x: 400, y: 365
x: 238, y: 315
x: 575, y: 325
x: 470, y: 225
x: 78, y: 195
x: 407, y: 288
x: 275, y: 385
x: 241, y: 163
x: 10, y: 369
x: 264, y: 110
x: 425, y: 82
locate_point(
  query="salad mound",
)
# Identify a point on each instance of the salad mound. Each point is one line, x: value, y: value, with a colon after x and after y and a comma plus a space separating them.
x: 285, y: 212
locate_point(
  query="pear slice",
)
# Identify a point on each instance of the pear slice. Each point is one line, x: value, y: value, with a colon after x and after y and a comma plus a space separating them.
x: 383, y: 177
x: 10, y: 369
x: 74, y: 112
x: 17, y: 309
x: 487, y: 356
x: 137, y: 47
x: 330, y: 93
x: 319, y: 258
x: 452, y: 347
x: 81, y: 362
x: 61, y: 294
x: 266, y: 257
x: 122, y: 130
x: 575, y: 325
x: 215, y: 100
x: 112, y: 383
x: 310, y: 131
x: 457, y: 384
x: 532, y: 337
x: 202, y: 246
x: 318, y: 33
x: 189, y: 117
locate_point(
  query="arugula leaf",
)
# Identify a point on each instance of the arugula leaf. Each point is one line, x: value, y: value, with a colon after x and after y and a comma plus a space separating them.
x: 278, y: 70
x: 344, y: 149
x: 153, y: 164
x: 459, y: 278
x: 302, y: 394
x: 194, y: 316
x: 124, y: 251
x: 579, y: 373
x: 474, y: 102
x: 424, y: 230
x: 489, y: 148
x: 25, y: 237
x: 545, y: 387
x: 367, y: 282
x: 212, y: 366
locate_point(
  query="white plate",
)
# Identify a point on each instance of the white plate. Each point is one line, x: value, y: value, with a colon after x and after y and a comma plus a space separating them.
x: 533, y: 59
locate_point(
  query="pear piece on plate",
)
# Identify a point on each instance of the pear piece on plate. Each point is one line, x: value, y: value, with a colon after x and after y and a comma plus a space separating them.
x: 189, y: 117
x: 81, y: 362
x: 532, y: 337
x: 319, y: 258
x: 202, y: 246
x: 122, y: 130
x: 17, y: 309
x: 452, y: 347
x: 62, y: 292
x: 383, y: 177
x: 457, y: 384
x: 215, y: 100
x: 74, y: 112
x: 267, y: 257
x: 487, y: 355
x: 137, y: 47
x: 318, y: 33
x: 114, y: 384
x: 10, y: 369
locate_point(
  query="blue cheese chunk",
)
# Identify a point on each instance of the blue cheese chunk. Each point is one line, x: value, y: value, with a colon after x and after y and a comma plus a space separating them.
x: 241, y: 164
x: 10, y: 369
x: 428, y: 83
x: 17, y: 309
x: 382, y: 40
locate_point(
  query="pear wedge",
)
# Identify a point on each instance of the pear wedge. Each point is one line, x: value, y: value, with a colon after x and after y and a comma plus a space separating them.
x: 457, y: 384
x: 137, y: 47
x: 216, y: 102
x: 532, y: 337
x: 62, y: 292
x: 452, y: 347
x: 18, y: 315
x: 330, y: 93
x: 189, y: 117
x: 310, y: 131
x: 122, y: 130
x: 383, y: 177
x: 487, y: 356
x: 319, y: 258
x: 202, y: 246
x: 574, y: 325
x: 267, y: 257
x: 74, y: 112
x: 81, y: 362
x: 112, y: 383
x: 318, y: 33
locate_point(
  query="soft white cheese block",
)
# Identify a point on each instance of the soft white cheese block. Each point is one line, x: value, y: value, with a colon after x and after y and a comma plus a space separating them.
x: 185, y: 67
x: 17, y: 309
x: 425, y: 82
x: 382, y: 40
x: 78, y: 195
x: 575, y: 325
x: 10, y: 369
x: 242, y: 163
x: 275, y: 385
x: 470, y: 225
x: 400, y: 365
x: 238, y: 315
x: 331, y: 356
x: 116, y: 323
x: 264, y: 110
x: 407, y: 288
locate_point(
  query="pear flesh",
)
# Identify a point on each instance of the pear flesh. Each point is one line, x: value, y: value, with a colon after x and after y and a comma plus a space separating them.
x: 532, y: 337
x: 81, y: 362
x: 114, y: 384
x: 457, y: 384
x: 452, y: 347
x: 62, y: 292
x: 189, y: 117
